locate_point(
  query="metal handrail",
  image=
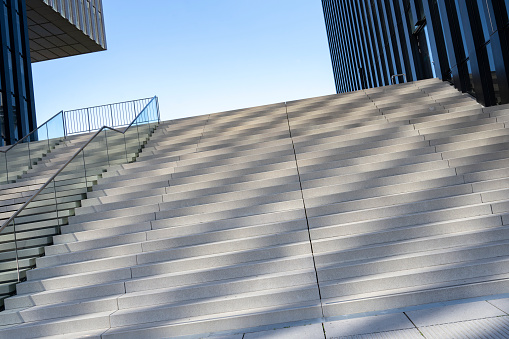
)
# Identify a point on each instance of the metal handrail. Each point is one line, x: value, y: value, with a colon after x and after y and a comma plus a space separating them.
x: 27, y: 140
x: 76, y: 121
x: 65, y: 130
x: 6, y: 223
x: 31, y: 133
x: 397, y: 76
x: 158, y: 117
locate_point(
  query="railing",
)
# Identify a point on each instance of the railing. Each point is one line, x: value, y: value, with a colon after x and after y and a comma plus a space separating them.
x: 93, y: 118
x: 49, y: 207
x: 393, y: 78
x: 20, y: 157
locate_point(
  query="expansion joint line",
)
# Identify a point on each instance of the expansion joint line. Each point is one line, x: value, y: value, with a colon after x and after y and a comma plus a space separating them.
x: 202, y: 132
x: 197, y: 143
x: 196, y: 150
x: 305, y: 210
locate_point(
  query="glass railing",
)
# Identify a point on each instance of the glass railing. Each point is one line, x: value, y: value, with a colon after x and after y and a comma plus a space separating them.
x: 41, y: 217
x: 17, y: 159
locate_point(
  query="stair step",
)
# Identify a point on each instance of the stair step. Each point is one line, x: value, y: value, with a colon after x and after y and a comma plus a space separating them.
x: 417, y: 295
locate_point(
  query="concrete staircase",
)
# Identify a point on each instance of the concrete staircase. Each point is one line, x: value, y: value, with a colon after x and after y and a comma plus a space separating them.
x: 39, y: 223
x: 288, y: 213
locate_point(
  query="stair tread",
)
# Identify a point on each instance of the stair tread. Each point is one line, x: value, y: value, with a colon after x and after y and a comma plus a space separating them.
x: 408, y: 290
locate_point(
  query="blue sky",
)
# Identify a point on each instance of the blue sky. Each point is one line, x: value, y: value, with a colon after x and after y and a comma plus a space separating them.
x: 197, y: 56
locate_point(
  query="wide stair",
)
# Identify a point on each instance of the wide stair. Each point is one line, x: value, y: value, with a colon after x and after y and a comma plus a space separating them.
x: 298, y: 212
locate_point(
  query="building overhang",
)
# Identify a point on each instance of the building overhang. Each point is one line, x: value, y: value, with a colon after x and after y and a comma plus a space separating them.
x: 54, y: 29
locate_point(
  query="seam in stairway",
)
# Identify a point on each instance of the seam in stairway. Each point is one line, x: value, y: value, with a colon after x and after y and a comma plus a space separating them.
x: 305, y: 210
x: 103, y: 333
x: 448, y: 161
x: 202, y: 132
x: 417, y: 328
x: 501, y: 310
x: 180, y: 158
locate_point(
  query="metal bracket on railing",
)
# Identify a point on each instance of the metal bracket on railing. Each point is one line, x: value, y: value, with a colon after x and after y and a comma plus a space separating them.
x: 397, y: 76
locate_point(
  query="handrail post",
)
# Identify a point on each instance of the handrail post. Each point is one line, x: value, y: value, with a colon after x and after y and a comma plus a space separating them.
x: 16, y: 247
x: 85, y: 169
x: 64, y: 126
x: 146, y: 109
x: 157, y: 107
x: 6, y: 168
x: 59, y: 227
x: 88, y: 117
x: 107, y: 149
x: 29, y: 155
x: 137, y: 129
x: 111, y: 114
x: 125, y: 146
x: 47, y: 137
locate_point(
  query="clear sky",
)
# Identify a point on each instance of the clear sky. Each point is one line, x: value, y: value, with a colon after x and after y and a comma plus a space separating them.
x: 197, y: 56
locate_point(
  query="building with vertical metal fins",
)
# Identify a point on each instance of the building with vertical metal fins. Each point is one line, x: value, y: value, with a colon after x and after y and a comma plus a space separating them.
x: 379, y: 42
x: 38, y: 30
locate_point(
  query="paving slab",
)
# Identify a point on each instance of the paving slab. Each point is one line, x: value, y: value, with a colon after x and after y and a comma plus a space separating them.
x: 399, y: 334
x: 313, y: 331
x: 232, y: 336
x: 497, y: 327
x: 78, y: 335
x: 366, y: 325
x: 454, y: 313
x: 502, y: 304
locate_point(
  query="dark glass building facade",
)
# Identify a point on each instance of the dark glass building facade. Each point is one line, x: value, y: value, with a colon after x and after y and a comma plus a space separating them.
x: 38, y: 30
x: 379, y: 42
x: 17, y: 111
